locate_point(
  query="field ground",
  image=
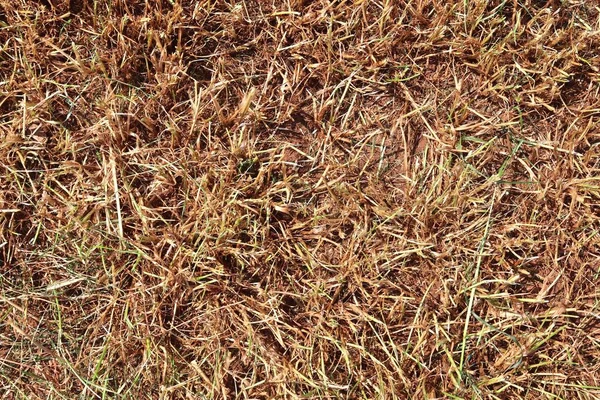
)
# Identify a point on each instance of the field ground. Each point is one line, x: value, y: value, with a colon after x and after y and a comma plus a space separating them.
x: 263, y: 199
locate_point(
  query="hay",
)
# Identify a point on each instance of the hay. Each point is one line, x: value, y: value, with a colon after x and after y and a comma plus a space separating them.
x: 328, y: 199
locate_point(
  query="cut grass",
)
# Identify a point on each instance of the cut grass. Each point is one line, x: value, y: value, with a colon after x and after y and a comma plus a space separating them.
x: 328, y: 199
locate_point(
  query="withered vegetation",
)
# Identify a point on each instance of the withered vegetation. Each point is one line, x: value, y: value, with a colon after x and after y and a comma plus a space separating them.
x: 263, y: 199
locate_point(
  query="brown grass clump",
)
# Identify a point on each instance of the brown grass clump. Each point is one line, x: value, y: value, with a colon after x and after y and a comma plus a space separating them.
x: 291, y: 199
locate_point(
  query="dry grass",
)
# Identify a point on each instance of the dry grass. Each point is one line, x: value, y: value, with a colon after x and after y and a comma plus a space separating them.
x: 264, y: 199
